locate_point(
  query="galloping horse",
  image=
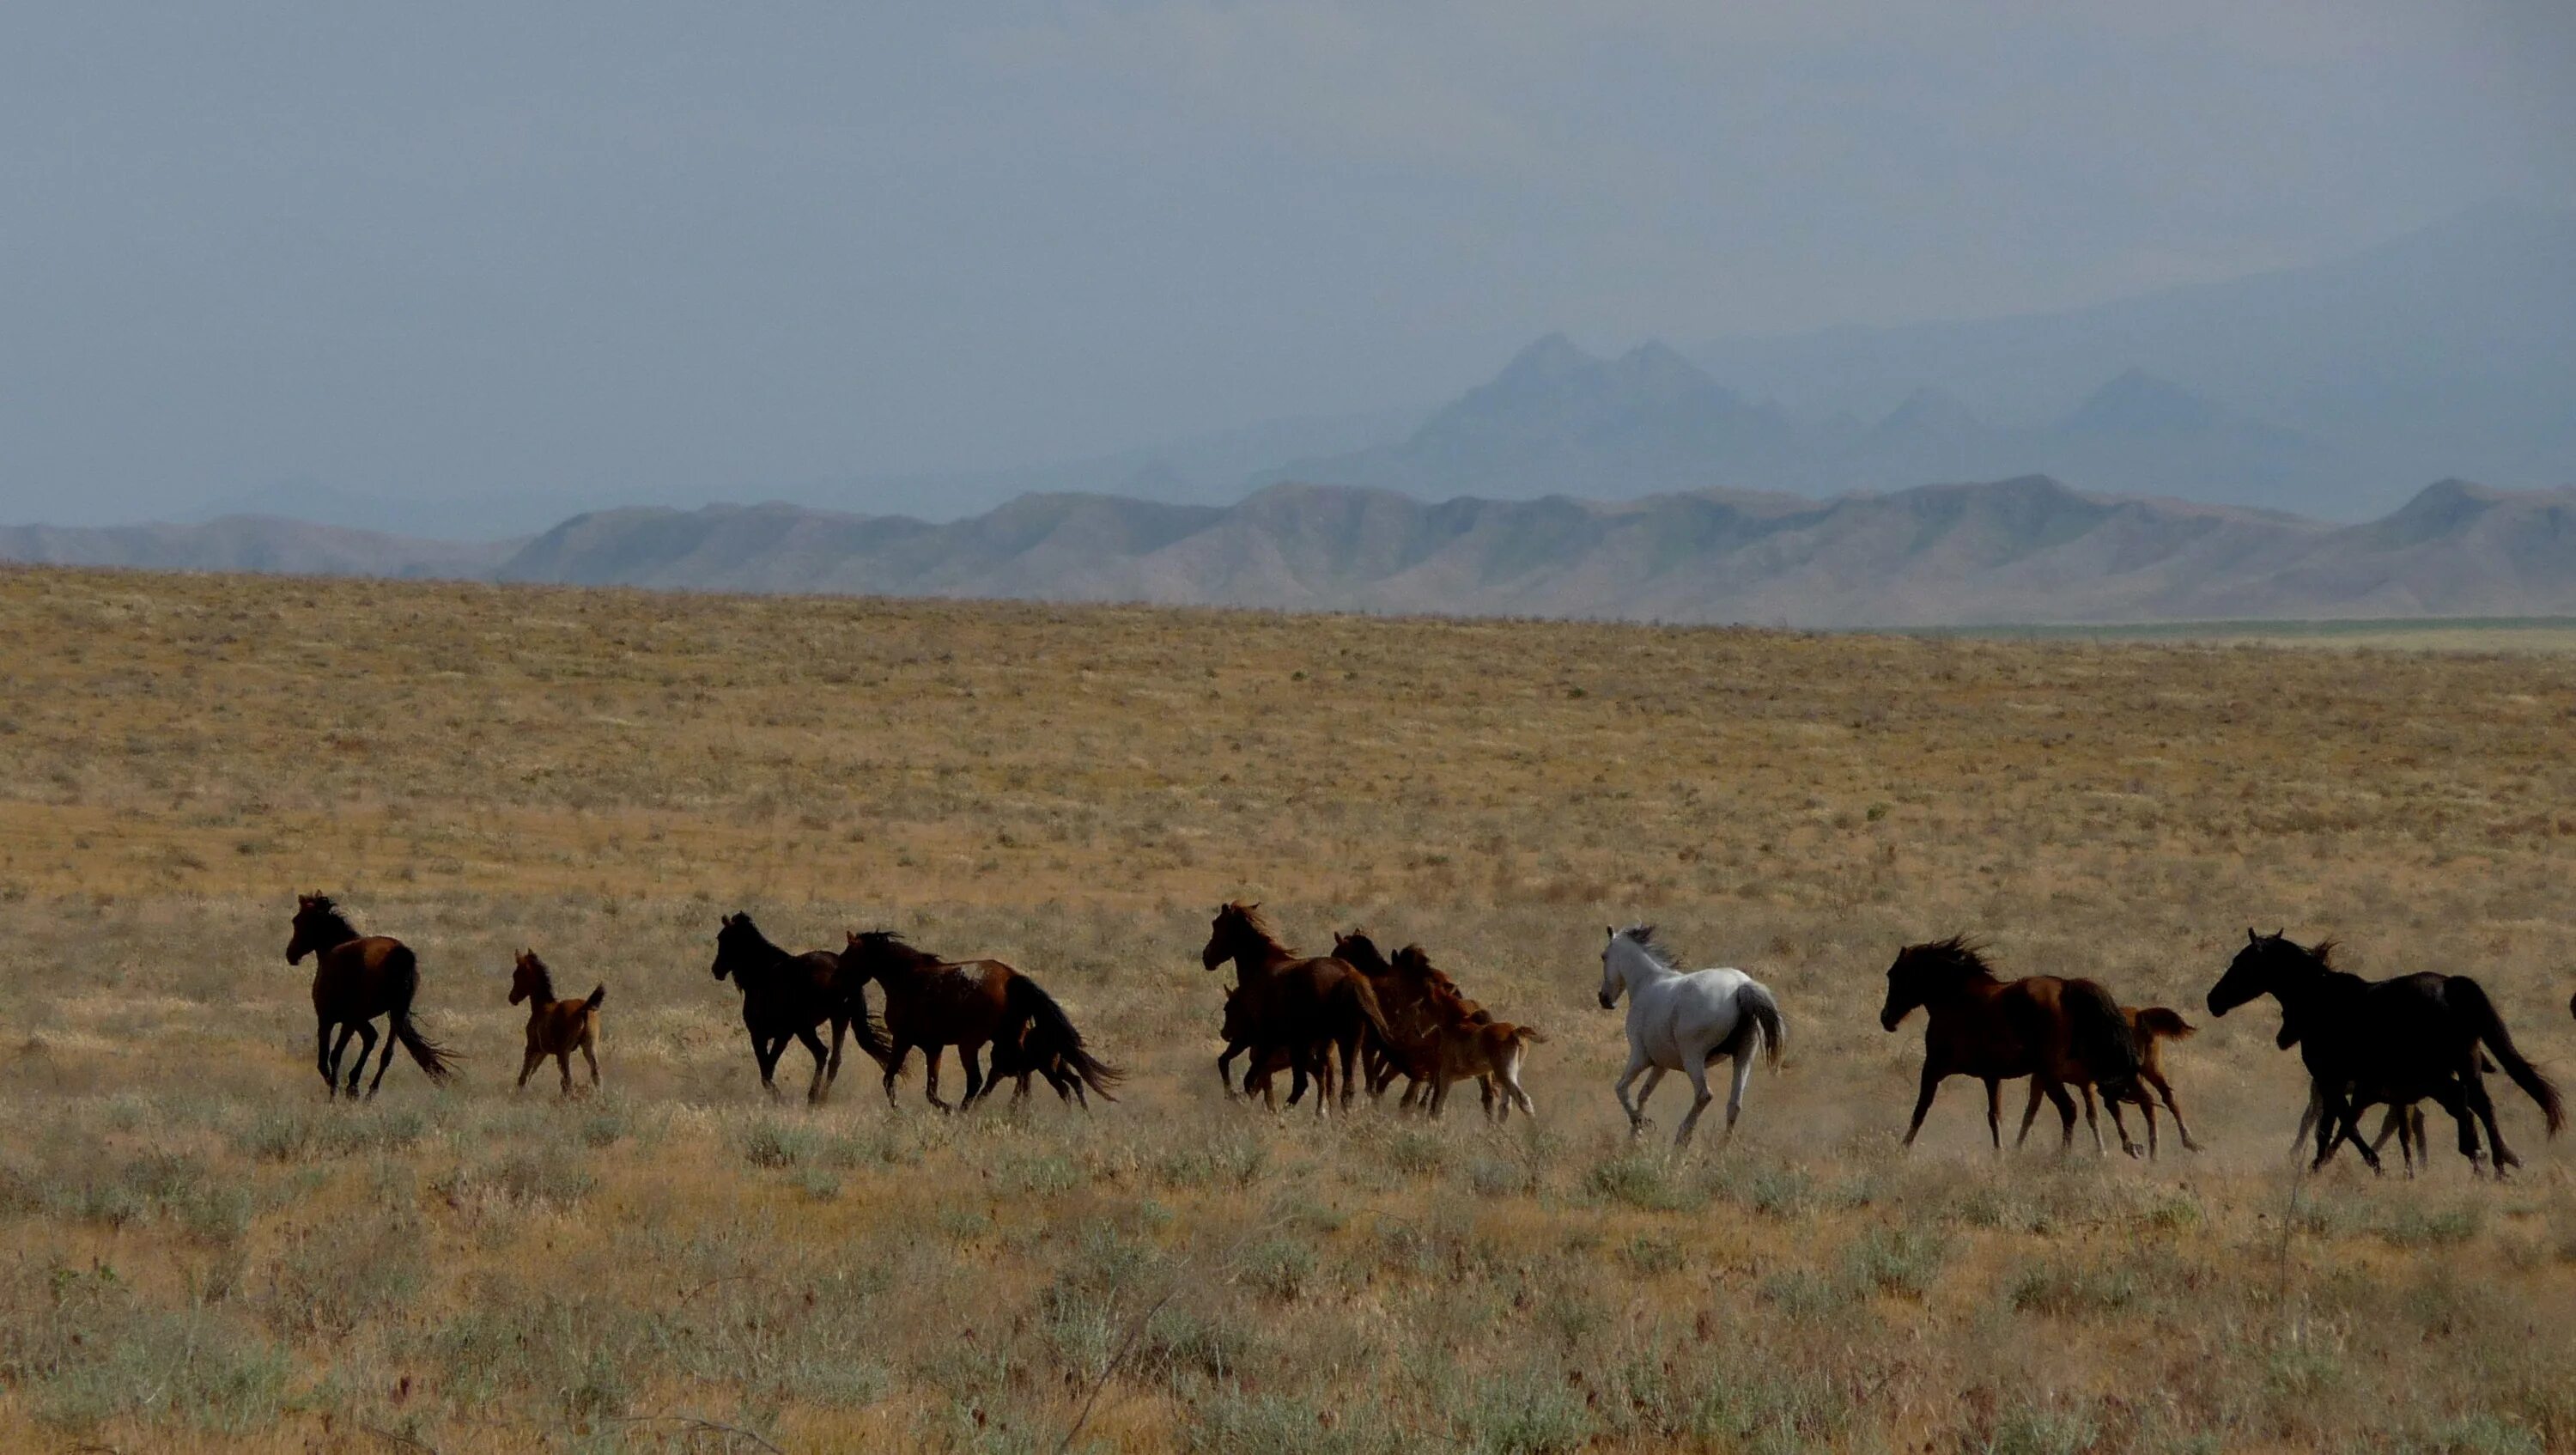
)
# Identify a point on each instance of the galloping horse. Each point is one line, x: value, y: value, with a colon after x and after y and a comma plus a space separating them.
x: 355, y: 979
x: 1404, y: 987
x: 2052, y: 1030
x: 786, y: 996
x: 1469, y: 1043
x: 2149, y: 1028
x: 2397, y: 1041
x: 934, y: 1003
x: 1682, y: 1022
x: 555, y: 1027
x: 1301, y: 1006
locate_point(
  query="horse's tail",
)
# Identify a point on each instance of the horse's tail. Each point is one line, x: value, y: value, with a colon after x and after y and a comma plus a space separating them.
x: 1356, y: 995
x: 2481, y: 1012
x: 1030, y: 1004
x: 2163, y: 1024
x: 435, y: 1059
x: 597, y: 996
x: 1531, y: 1034
x: 2099, y: 1036
x: 1753, y: 999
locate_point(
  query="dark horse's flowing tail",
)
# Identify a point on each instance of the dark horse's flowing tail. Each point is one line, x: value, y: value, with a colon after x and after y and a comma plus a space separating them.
x: 597, y: 996
x: 1051, y: 1033
x: 1354, y: 996
x: 435, y: 1059
x: 2100, y: 1037
x: 2482, y: 1018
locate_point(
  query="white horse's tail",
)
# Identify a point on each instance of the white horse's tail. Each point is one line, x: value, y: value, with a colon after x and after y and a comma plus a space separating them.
x: 1753, y: 1001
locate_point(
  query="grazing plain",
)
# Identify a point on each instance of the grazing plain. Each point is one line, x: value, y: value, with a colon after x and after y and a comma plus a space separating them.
x: 204, y: 1254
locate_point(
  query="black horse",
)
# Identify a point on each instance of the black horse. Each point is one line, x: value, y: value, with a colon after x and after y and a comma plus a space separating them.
x: 786, y: 996
x: 2399, y: 1041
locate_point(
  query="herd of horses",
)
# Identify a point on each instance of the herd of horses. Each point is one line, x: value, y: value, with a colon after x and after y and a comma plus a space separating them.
x: 1358, y: 1018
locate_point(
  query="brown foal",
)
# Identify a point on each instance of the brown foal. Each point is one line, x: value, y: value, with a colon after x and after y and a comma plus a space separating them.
x: 555, y: 1027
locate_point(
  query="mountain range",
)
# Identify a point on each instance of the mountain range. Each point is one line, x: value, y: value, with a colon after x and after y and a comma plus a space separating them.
x: 2026, y: 550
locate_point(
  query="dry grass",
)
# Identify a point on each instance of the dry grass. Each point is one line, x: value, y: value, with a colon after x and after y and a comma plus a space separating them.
x: 204, y: 1255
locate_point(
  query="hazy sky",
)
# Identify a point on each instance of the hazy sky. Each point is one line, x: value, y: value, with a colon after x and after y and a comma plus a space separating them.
x: 465, y: 249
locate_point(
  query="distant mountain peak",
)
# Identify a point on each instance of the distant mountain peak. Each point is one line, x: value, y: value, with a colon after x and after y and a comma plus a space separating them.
x: 1547, y: 360
x: 1932, y: 412
x: 2138, y: 402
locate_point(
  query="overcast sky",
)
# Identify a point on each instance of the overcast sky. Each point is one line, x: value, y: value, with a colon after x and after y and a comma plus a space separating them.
x: 461, y: 249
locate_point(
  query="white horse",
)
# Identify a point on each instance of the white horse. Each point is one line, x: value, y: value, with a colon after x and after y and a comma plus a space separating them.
x: 1681, y: 1022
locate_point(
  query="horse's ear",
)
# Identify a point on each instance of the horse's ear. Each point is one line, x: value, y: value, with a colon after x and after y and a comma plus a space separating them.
x: 2252, y: 938
x: 1610, y: 931
x: 2282, y: 933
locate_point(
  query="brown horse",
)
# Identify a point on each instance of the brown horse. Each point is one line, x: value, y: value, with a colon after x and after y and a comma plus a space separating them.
x: 934, y: 1003
x: 556, y: 1028
x: 1471, y: 1043
x: 784, y: 997
x: 356, y: 979
x: 2149, y: 1028
x: 1305, y: 1007
x: 1403, y: 989
x: 2057, y: 1032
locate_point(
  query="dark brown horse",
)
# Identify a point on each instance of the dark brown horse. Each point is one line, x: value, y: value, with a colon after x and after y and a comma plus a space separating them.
x: 1305, y: 1007
x: 357, y: 978
x: 934, y: 1003
x: 2057, y: 1032
x: 2149, y: 1028
x: 784, y: 997
x: 556, y: 1028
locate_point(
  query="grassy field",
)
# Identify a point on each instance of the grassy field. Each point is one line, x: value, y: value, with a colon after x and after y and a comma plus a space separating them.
x: 203, y: 1254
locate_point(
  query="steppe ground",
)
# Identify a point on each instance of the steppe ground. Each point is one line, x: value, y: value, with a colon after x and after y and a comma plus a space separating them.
x: 204, y: 1254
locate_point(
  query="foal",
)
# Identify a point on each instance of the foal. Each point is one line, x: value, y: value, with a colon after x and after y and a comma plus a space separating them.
x: 1472, y: 1043
x: 555, y: 1027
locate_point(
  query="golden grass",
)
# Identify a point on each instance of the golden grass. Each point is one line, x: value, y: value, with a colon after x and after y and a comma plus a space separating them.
x: 206, y: 1256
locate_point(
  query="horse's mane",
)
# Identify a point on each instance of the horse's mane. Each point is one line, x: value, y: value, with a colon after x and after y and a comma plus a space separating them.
x: 545, y: 991
x: 327, y: 916
x: 1957, y: 952
x: 893, y: 944
x: 1255, y: 921
x: 1643, y: 937
x: 1357, y: 950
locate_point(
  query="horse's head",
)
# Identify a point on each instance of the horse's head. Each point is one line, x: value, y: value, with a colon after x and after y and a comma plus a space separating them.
x: 865, y: 952
x: 1361, y: 953
x: 529, y: 978
x: 736, y: 940
x: 1920, y: 972
x: 1235, y: 930
x: 318, y: 926
x: 1615, y: 952
x: 2260, y: 969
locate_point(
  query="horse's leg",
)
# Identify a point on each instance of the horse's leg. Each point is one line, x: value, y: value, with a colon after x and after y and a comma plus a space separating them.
x: 1697, y: 1070
x: 1496, y: 1109
x: 1439, y: 1091
x: 1995, y: 1110
x: 588, y: 1056
x: 2092, y: 1118
x: 366, y: 1046
x: 1351, y: 1075
x: 528, y: 1065
x: 2065, y: 1117
x: 384, y: 1062
x: 1932, y: 1075
x: 2473, y: 1093
x: 2112, y: 1105
x: 894, y: 1066
x: 2164, y: 1089
x: 2308, y: 1118
x: 2029, y: 1114
x: 322, y: 1061
x: 1654, y: 1078
x: 966, y: 1056
x: 930, y: 1072
x: 1743, y: 1076
x: 1634, y: 1109
x: 1225, y: 1068
x: 349, y: 1031
x: 815, y: 1089
x: 563, y: 1063
x: 2147, y: 1109
x: 766, y: 1055
x: 832, y: 1072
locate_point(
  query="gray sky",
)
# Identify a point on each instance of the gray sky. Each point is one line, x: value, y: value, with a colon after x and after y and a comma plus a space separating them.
x: 465, y: 249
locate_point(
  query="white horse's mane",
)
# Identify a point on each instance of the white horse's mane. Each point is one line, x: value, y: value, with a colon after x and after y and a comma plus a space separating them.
x: 1643, y: 938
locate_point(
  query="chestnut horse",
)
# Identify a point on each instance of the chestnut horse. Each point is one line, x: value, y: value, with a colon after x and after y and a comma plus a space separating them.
x: 356, y: 979
x: 2055, y: 1031
x: 786, y: 996
x: 934, y: 1003
x: 556, y: 1028
x: 2149, y: 1028
x: 1403, y: 989
x: 1305, y: 1007
x: 1467, y: 1042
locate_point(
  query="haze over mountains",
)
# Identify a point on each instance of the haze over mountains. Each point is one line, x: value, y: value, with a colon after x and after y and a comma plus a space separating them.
x: 2176, y: 455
